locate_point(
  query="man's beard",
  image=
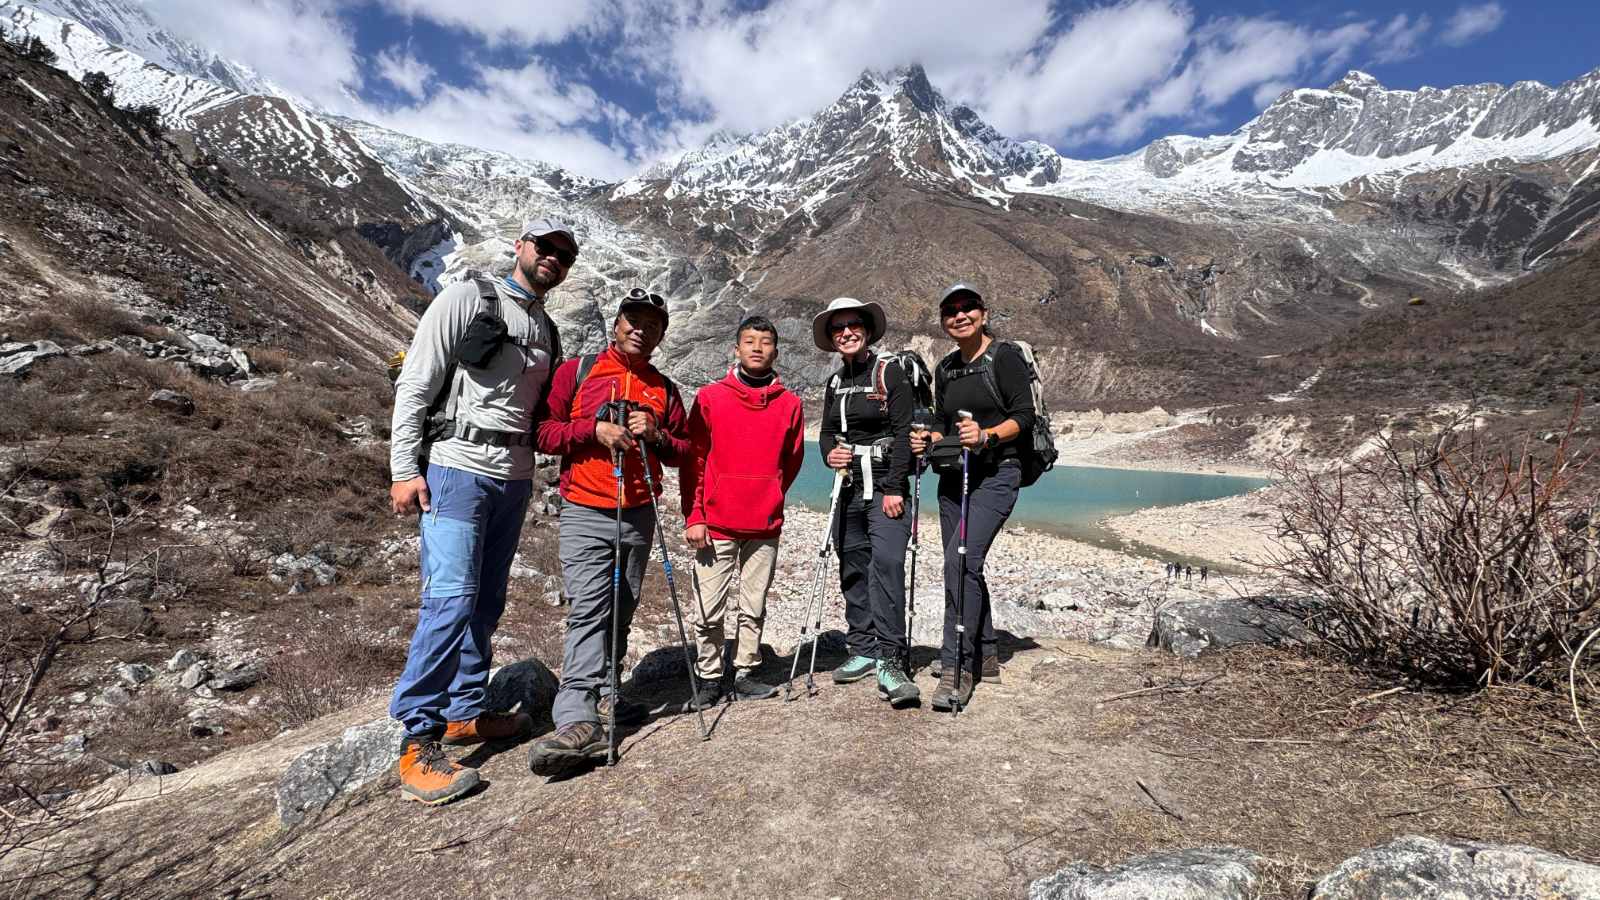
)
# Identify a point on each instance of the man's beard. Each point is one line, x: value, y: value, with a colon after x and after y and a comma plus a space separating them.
x: 538, y: 279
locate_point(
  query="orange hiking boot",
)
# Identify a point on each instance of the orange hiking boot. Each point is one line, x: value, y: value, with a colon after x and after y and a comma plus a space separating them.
x: 489, y: 726
x: 428, y: 776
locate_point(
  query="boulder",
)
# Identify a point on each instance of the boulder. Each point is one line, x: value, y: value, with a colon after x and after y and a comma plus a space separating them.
x: 241, y: 361
x: 153, y: 768
x: 661, y: 664
x: 182, y: 404
x: 1202, y: 873
x: 235, y: 679
x: 209, y: 345
x: 194, y: 676
x: 1413, y: 866
x: 135, y: 674
x: 17, y: 359
x: 322, y: 774
x: 1191, y: 627
x: 182, y: 660
x: 364, y: 753
x: 286, y: 568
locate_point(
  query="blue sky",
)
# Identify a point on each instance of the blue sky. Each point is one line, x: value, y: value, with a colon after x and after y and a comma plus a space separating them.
x: 605, y: 87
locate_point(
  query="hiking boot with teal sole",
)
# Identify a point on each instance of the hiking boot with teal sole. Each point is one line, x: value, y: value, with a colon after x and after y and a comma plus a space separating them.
x: 895, y: 686
x: 854, y: 669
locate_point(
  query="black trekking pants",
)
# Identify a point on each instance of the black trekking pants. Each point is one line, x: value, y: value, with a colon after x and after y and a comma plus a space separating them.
x: 991, y: 495
x: 872, y: 574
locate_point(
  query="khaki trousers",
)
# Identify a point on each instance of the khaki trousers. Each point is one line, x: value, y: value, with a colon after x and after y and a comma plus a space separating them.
x: 743, y: 570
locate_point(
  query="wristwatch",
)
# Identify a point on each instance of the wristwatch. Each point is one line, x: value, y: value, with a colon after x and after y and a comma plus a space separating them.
x: 988, y: 439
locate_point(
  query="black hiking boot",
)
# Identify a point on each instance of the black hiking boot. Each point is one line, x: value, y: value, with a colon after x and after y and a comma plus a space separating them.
x: 746, y: 686
x: 709, y: 695
x: 571, y: 746
x: 946, y: 695
x: 991, y: 669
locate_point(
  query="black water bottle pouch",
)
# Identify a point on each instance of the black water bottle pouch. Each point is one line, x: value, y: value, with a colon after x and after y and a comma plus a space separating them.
x: 484, y: 336
x: 945, y: 454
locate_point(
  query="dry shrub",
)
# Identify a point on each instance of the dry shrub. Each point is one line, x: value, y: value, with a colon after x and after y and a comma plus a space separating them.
x: 1459, y: 562
x: 333, y: 668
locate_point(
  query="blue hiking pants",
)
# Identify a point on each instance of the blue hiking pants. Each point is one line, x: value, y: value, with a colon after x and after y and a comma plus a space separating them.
x: 468, y: 540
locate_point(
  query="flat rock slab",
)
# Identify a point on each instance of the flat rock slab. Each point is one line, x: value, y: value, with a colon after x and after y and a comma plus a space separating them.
x: 1424, y: 868
x: 1192, y: 627
x: 1202, y: 873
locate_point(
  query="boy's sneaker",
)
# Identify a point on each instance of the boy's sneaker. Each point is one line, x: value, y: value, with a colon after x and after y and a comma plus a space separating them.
x: 948, y: 694
x: 709, y: 695
x: 854, y: 669
x: 489, y: 726
x: 747, y: 687
x: 571, y: 746
x: 895, y: 686
x: 428, y: 776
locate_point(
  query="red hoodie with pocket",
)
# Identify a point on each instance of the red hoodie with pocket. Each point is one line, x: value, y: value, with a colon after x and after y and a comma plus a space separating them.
x: 746, y: 445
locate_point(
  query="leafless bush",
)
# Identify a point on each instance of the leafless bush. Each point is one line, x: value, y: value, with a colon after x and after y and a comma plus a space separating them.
x: 1456, y: 562
x: 334, y: 668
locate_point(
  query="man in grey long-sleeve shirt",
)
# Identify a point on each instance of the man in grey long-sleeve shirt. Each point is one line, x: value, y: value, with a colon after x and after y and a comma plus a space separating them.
x: 461, y: 456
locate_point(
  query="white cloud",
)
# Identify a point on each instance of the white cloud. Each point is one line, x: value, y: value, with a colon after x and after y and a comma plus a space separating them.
x: 303, y: 47
x: 1400, y: 39
x: 502, y: 21
x: 402, y: 69
x: 1472, y: 22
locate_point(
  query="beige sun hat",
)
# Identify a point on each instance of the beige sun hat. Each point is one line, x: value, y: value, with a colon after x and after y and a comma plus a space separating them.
x: 872, y: 312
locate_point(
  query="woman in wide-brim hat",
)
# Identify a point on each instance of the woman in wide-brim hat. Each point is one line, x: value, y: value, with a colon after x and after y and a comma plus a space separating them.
x: 999, y: 414
x: 865, y: 433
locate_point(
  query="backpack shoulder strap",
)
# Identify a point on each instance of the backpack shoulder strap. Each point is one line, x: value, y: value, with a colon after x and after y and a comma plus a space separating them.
x: 585, y: 366
x: 488, y: 293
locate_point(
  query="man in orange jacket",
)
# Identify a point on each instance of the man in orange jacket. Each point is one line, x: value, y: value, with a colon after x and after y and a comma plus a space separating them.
x: 576, y: 426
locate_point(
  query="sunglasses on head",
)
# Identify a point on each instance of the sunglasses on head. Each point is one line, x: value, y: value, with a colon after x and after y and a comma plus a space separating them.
x: 836, y: 327
x: 965, y: 304
x: 547, y: 247
x: 640, y: 295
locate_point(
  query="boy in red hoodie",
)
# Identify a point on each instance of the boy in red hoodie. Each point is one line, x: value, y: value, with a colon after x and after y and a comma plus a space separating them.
x: 747, y: 440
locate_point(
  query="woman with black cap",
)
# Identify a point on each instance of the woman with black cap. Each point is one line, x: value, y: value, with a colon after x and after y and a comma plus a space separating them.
x: 866, y: 424
x: 984, y: 403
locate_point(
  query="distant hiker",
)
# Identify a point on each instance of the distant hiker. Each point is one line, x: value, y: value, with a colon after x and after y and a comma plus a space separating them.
x: 1001, y: 412
x: 583, y: 392
x: 1204, y: 571
x: 1169, y: 571
x: 866, y: 419
x: 461, y: 456
x: 747, y: 441
x: 1188, y: 573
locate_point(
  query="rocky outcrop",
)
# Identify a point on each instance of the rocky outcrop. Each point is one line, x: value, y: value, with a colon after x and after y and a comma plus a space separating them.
x: 1192, y: 627
x: 1204, y: 873
x: 1415, y: 866
x: 364, y: 753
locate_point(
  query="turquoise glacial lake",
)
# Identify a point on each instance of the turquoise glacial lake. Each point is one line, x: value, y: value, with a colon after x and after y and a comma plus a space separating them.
x: 1068, y: 500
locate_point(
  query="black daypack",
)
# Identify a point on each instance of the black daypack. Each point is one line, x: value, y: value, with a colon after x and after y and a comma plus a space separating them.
x: 1037, y: 450
x: 916, y: 373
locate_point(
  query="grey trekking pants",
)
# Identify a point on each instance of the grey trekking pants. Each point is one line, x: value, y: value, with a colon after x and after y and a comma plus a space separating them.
x: 991, y: 494
x: 588, y: 540
x: 872, y: 575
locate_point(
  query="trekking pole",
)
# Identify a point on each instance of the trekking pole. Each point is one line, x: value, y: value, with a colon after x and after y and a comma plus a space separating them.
x: 911, y: 598
x: 961, y: 580
x: 616, y: 620
x: 815, y: 599
x: 666, y: 566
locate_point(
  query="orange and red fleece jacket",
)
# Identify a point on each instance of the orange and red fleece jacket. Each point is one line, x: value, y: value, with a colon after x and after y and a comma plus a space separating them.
x: 567, y: 429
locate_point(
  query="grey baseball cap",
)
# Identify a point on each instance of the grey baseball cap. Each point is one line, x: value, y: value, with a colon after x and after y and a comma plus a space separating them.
x: 542, y: 227
x: 961, y: 289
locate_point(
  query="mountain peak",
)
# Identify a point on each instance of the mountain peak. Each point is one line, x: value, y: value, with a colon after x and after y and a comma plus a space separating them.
x: 1356, y: 83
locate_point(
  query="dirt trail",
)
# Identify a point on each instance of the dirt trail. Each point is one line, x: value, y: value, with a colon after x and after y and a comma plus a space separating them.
x: 838, y: 796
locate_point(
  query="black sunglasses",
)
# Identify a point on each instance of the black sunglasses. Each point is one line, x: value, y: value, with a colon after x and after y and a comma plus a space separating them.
x: 965, y: 304
x: 836, y: 327
x: 560, y: 254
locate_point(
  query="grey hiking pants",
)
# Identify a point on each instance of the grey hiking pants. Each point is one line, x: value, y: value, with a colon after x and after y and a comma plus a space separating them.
x: 588, y: 540
x: 872, y: 575
x: 991, y: 494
